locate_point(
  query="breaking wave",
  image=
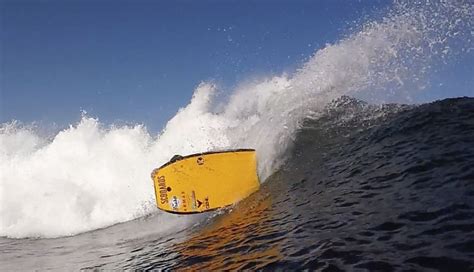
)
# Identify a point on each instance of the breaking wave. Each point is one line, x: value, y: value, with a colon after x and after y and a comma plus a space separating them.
x: 91, y: 175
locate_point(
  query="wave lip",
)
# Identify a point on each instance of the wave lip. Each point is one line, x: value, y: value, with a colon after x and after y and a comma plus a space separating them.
x: 88, y: 177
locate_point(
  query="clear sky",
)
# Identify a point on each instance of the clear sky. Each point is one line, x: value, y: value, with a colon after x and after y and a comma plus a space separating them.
x: 139, y: 61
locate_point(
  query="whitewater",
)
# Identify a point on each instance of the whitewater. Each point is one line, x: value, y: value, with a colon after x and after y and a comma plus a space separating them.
x: 93, y: 175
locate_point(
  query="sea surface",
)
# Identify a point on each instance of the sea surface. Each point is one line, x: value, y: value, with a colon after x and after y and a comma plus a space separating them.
x: 384, y: 188
x: 360, y: 168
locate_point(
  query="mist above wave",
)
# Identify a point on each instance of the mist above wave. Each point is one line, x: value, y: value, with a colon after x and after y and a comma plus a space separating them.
x: 90, y: 176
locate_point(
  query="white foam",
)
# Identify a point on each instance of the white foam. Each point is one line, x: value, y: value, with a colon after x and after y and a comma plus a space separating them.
x: 90, y: 176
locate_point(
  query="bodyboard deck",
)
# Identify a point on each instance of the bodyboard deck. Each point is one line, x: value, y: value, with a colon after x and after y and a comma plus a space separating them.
x: 205, y: 181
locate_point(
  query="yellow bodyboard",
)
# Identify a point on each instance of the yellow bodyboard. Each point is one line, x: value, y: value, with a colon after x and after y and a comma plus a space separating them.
x: 205, y: 181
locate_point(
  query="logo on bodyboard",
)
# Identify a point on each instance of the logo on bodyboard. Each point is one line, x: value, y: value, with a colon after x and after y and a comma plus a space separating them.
x: 175, y: 202
x: 200, y: 161
x: 163, y: 190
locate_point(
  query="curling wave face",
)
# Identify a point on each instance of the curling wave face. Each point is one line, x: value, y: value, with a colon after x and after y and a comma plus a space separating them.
x: 90, y: 176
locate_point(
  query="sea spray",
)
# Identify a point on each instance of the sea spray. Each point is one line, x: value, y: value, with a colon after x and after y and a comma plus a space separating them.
x: 90, y: 176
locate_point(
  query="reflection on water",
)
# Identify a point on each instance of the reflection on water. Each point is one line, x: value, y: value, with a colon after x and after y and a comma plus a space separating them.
x: 388, y: 193
x: 241, y: 231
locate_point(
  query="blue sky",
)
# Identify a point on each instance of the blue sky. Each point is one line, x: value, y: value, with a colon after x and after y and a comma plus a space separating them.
x: 139, y: 61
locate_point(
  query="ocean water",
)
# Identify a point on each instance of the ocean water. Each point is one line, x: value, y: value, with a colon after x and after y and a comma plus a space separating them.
x: 394, y: 192
x: 354, y: 176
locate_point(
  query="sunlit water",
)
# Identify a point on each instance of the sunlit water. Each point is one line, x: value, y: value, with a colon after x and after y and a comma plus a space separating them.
x: 345, y: 185
x: 386, y: 193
